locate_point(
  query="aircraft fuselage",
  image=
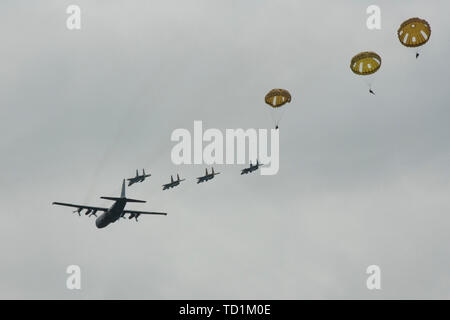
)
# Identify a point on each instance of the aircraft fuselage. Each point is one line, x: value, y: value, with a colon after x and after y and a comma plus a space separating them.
x: 205, y: 178
x: 171, y: 185
x: 250, y: 169
x: 112, y: 215
x: 137, y: 179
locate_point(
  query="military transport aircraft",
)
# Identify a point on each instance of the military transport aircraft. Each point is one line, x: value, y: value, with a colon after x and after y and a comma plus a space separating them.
x: 207, y: 176
x: 173, y: 183
x: 251, y: 168
x: 138, y: 178
x: 112, y: 214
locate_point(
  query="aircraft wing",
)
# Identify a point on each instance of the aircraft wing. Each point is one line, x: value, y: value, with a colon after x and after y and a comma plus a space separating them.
x: 80, y: 206
x: 133, y: 212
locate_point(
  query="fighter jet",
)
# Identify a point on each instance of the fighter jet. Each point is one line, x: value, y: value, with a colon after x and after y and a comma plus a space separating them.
x: 207, y: 176
x: 251, y: 168
x: 138, y: 178
x: 173, y: 183
x: 112, y: 214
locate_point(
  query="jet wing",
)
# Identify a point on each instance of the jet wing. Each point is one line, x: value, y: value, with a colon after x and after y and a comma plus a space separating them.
x: 133, y: 212
x: 80, y: 206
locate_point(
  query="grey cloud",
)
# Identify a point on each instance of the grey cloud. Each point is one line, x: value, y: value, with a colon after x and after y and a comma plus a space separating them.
x: 363, y: 180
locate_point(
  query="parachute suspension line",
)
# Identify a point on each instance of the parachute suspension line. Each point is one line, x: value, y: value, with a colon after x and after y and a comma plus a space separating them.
x: 281, y: 113
x: 369, y: 81
x: 276, y: 114
x: 273, y: 116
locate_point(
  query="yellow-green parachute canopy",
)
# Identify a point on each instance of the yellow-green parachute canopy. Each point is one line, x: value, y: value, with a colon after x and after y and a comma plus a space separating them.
x: 365, y: 63
x: 414, y: 32
x: 277, y: 97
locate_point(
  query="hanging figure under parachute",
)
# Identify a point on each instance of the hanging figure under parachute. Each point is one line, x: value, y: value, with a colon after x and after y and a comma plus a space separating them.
x: 276, y: 98
x: 366, y: 64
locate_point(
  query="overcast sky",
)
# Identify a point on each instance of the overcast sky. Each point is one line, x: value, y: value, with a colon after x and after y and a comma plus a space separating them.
x: 363, y: 179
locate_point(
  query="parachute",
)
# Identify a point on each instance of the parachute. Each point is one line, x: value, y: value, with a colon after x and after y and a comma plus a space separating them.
x: 413, y: 33
x: 366, y: 64
x: 276, y: 98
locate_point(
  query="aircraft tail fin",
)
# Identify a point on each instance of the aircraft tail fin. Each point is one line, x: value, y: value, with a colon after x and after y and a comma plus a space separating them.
x: 178, y: 177
x: 122, y: 193
x: 171, y: 178
x: 212, y: 170
x: 143, y: 172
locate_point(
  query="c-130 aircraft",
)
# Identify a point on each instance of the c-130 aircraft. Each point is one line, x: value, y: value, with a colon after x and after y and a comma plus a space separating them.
x: 112, y: 214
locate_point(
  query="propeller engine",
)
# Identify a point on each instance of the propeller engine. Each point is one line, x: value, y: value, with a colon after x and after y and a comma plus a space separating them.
x: 134, y: 215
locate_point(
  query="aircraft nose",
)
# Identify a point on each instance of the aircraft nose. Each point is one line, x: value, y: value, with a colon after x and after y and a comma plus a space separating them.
x: 99, y: 223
